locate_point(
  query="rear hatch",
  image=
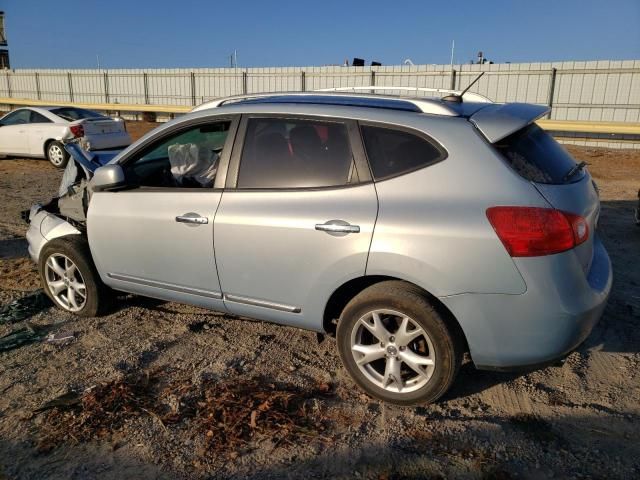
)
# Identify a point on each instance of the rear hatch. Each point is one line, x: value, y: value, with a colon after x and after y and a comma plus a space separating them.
x: 566, y: 185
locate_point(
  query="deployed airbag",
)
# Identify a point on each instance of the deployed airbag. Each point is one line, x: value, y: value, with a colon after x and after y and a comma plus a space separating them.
x: 191, y: 163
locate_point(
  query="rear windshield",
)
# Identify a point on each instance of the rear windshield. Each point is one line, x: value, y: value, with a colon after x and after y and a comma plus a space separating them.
x: 70, y: 113
x: 536, y: 156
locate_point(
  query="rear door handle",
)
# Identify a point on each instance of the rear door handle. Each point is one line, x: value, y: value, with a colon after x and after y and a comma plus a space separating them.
x: 192, y: 218
x: 337, y: 227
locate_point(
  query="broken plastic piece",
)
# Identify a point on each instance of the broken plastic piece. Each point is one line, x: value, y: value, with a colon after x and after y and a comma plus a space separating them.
x: 61, y: 338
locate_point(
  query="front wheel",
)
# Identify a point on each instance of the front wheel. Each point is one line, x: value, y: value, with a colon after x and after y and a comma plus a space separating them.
x: 396, y: 346
x: 69, y: 277
x: 57, y: 155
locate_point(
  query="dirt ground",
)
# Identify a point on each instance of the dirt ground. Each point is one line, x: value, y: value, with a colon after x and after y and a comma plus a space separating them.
x: 576, y: 420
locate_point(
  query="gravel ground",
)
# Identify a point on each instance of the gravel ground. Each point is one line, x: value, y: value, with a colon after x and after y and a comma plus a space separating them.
x: 578, y: 420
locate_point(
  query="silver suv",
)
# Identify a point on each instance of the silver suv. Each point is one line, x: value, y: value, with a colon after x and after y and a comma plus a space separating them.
x: 412, y: 229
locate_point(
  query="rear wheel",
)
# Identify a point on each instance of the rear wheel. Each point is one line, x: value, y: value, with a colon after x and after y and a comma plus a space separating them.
x: 57, y: 155
x: 396, y: 346
x: 69, y: 277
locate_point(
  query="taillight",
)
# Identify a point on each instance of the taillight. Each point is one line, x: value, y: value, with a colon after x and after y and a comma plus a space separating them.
x: 77, y: 130
x: 533, y: 231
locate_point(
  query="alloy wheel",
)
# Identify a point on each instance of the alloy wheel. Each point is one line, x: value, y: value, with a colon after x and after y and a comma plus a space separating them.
x: 65, y: 282
x: 56, y: 155
x: 393, y: 351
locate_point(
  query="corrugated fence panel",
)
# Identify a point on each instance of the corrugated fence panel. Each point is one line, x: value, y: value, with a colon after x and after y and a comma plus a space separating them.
x: 593, y: 91
x: 126, y: 86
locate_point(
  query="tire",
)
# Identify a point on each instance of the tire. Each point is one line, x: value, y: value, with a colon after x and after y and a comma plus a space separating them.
x: 56, y: 258
x: 56, y: 154
x: 391, y: 301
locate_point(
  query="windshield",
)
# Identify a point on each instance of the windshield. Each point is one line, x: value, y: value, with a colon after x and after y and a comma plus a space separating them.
x: 536, y: 156
x: 71, y: 113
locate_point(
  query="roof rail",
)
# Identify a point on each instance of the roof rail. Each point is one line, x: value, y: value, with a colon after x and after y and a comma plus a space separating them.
x: 471, y: 96
x: 218, y: 102
x: 423, y: 104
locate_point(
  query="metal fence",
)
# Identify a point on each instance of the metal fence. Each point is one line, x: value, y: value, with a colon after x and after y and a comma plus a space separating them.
x: 592, y: 91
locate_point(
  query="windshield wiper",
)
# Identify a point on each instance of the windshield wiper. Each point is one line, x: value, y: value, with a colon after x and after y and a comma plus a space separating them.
x: 578, y: 167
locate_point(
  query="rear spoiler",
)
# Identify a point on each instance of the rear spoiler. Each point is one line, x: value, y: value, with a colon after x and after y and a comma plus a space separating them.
x: 499, y: 120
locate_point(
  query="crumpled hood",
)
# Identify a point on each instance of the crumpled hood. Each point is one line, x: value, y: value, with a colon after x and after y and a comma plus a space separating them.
x: 88, y: 161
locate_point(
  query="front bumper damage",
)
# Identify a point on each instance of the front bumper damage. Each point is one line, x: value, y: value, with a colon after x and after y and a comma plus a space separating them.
x: 66, y: 213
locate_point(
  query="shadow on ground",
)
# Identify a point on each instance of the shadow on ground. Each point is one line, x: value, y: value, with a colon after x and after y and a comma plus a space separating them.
x: 521, y: 446
x: 13, y: 248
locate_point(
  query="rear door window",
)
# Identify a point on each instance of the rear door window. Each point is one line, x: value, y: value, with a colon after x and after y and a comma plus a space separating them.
x: 392, y: 152
x: 296, y: 153
x: 536, y: 156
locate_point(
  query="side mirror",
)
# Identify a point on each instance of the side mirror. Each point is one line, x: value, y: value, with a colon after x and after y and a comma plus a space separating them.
x: 108, y: 177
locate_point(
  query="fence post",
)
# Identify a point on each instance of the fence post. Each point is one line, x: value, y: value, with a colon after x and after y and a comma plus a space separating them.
x: 145, y: 81
x: 8, y: 84
x: 244, y: 82
x: 105, y: 77
x: 552, y: 89
x: 452, y: 85
x: 303, y: 81
x: 373, y: 78
x: 193, y: 89
x: 70, y: 86
x: 37, y: 77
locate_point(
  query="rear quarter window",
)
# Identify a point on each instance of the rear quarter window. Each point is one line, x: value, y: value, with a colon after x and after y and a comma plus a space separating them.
x: 392, y: 152
x: 536, y: 156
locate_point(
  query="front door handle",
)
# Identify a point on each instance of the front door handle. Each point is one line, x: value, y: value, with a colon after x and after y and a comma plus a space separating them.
x: 192, y: 218
x: 337, y: 227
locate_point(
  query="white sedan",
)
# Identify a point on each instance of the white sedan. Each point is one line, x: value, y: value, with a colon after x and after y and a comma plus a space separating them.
x: 41, y: 132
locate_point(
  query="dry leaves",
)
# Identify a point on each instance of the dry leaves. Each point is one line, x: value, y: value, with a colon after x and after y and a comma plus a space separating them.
x: 226, y: 416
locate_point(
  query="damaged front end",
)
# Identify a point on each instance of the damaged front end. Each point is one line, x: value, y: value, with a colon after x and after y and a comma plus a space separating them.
x: 65, y: 214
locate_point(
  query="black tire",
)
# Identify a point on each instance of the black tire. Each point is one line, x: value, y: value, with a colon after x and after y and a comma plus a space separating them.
x: 56, y: 154
x: 409, y: 300
x: 76, y: 249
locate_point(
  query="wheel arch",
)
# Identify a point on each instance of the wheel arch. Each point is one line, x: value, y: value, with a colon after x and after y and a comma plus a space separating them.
x: 343, y: 295
x: 47, y: 142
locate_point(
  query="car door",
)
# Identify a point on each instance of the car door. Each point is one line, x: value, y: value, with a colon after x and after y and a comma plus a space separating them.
x: 296, y: 220
x: 155, y: 238
x: 40, y: 129
x: 13, y: 132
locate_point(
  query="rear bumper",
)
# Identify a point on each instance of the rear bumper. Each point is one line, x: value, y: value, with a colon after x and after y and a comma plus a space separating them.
x: 555, y: 315
x: 105, y: 141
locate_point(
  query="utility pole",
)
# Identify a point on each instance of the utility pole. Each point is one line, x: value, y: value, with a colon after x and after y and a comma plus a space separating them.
x: 453, y: 47
x: 233, y: 59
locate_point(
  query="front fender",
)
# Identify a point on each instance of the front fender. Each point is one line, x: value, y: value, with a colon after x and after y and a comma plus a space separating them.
x: 44, y: 227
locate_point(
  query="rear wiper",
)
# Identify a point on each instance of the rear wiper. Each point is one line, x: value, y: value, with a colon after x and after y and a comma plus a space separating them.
x: 578, y: 167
